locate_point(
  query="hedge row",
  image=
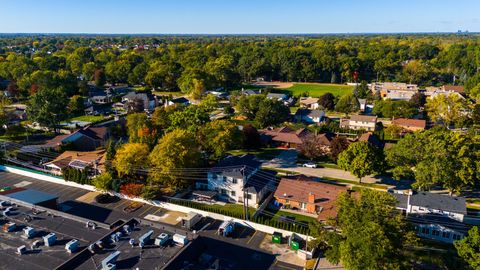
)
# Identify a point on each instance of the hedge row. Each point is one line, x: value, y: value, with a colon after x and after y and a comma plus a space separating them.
x: 261, y: 219
x: 77, y: 176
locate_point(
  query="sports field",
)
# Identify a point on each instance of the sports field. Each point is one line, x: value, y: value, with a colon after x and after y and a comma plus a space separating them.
x: 319, y: 89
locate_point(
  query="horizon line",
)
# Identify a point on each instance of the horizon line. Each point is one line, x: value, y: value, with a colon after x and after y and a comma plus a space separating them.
x: 238, y: 34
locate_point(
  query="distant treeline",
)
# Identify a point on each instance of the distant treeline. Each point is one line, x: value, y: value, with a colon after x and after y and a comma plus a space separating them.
x: 192, y: 62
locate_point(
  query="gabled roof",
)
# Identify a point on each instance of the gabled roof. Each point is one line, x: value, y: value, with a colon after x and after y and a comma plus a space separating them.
x: 455, y: 88
x: 236, y: 166
x: 308, y: 100
x: 97, y: 133
x: 259, y: 180
x: 76, y: 157
x: 286, y: 135
x: 410, y: 122
x: 434, y: 201
x: 363, y: 118
x: 310, y: 113
x: 276, y: 95
x: 299, y: 188
x: 180, y: 100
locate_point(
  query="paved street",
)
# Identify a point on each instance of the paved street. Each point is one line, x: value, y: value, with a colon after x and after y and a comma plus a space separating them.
x: 287, y: 160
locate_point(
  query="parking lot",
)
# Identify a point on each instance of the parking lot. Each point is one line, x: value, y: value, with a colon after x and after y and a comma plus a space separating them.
x: 81, y: 203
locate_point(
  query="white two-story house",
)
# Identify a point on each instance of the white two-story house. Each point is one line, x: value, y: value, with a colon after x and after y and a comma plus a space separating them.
x: 239, y: 179
x: 435, y: 216
x: 357, y: 122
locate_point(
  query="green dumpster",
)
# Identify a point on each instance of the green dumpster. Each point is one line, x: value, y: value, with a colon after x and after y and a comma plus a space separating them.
x: 294, y: 245
x: 277, y: 238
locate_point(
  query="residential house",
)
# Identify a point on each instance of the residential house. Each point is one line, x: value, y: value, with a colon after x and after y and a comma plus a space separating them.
x: 101, y: 98
x: 149, y: 101
x: 309, y: 116
x: 250, y: 92
x: 357, y: 122
x: 86, y: 139
x: 281, y: 98
x: 239, y: 179
x: 277, y: 96
x: 410, y: 124
x: 94, y: 161
x: 306, y: 195
x: 309, y: 103
x: 284, y: 137
x: 182, y: 101
x: 435, y: 216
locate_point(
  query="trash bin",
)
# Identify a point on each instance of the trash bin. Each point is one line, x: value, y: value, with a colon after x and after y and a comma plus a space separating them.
x: 294, y: 245
x: 277, y: 238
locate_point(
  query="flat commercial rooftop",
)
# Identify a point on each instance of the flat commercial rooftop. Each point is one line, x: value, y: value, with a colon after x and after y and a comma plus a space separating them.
x: 43, y: 223
x: 32, y: 196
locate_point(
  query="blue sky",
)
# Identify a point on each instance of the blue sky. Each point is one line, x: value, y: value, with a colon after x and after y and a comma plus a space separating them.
x: 238, y: 16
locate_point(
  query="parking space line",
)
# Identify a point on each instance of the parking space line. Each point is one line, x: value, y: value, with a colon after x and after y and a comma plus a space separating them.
x: 121, y: 204
x: 148, y: 208
x: 249, y: 240
x: 159, y: 209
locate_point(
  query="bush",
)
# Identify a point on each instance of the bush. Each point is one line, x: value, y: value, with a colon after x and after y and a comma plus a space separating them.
x: 132, y: 189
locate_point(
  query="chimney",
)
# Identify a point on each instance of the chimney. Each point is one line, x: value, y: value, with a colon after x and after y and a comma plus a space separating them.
x: 311, y: 198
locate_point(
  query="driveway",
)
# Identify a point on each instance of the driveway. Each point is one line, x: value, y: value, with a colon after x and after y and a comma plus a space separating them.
x: 286, y: 159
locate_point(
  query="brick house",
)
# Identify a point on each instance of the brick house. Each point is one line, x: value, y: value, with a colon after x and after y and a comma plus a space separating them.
x: 306, y: 195
x: 410, y: 124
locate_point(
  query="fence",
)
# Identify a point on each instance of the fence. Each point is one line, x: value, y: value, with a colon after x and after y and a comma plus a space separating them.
x: 166, y: 205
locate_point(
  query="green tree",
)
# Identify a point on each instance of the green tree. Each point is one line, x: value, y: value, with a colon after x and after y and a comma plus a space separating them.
x: 76, y: 105
x: 447, y: 109
x: 271, y: 112
x: 373, y: 235
x: 361, y: 159
x: 347, y: 104
x: 394, y: 108
x: 47, y: 107
x: 176, y: 150
x: 436, y: 156
x: 469, y: 248
x: 103, y: 182
x: 248, y: 106
x: 219, y: 136
x: 191, y: 118
x: 130, y: 158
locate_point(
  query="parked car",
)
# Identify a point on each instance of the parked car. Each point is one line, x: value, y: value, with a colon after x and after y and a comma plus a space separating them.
x: 310, y: 165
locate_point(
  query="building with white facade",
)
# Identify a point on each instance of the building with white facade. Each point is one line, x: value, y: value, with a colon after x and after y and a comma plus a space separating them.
x: 357, y: 122
x: 435, y: 216
x: 239, y: 179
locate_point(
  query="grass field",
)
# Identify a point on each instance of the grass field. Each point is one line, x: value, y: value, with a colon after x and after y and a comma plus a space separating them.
x: 88, y: 118
x: 319, y: 89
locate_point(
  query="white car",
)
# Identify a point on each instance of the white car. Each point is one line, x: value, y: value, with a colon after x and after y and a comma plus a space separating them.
x: 310, y: 165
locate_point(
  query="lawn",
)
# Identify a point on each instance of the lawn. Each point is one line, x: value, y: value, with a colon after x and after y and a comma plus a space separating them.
x: 262, y: 153
x: 89, y: 118
x: 319, y: 89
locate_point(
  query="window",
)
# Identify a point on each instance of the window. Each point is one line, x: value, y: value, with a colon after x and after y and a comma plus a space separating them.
x: 446, y: 235
x: 435, y: 233
x: 234, y: 180
x: 457, y: 237
x: 425, y: 231
x: 233, y: 193
x: 249, y: 196
x: 303, y: 205
x: 224, y: 179
x: 224, y: 191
